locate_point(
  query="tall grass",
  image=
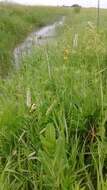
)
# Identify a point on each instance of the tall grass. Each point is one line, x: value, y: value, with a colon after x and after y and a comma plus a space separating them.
x: 60, y: 141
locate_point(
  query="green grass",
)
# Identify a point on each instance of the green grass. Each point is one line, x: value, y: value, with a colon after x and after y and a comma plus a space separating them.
x: 16, y: 22
x: 60, y: 141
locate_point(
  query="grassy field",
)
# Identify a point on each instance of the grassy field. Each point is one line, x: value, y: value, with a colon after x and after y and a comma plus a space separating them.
x: 16, y: 22
x: 53, y: 112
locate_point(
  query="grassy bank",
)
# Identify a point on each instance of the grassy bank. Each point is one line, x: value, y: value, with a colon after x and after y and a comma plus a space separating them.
x: 53, y: 112
x: 15, y: 24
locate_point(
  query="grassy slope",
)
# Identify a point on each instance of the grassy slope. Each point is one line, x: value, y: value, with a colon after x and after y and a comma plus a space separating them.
x: 62, y: 143
x: 16, y: 22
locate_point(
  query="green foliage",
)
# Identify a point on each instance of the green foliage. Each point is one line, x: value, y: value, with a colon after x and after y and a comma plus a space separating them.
x: 60, y: 141
x: 53, y: 158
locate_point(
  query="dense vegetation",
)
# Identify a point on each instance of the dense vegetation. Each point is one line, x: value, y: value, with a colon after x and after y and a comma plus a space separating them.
x: 15, y: 23
x: 53, y: 112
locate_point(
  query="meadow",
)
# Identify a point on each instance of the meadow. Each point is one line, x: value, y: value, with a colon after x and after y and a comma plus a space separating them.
x: 53, y: 111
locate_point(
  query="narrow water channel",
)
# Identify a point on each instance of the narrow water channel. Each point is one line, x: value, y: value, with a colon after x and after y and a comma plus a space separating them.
x: 36, y: 38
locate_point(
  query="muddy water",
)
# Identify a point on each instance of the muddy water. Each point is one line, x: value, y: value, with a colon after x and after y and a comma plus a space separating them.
x: 36, y: 38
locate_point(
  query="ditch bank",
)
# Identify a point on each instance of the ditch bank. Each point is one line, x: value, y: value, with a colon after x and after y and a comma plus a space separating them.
x: 35, y: 39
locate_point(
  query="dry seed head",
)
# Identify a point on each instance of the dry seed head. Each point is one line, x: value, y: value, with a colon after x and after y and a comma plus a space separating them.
x: 33, y: 108
x: 14, y: 152
x: 75, y: 41
x: 28, y: 98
